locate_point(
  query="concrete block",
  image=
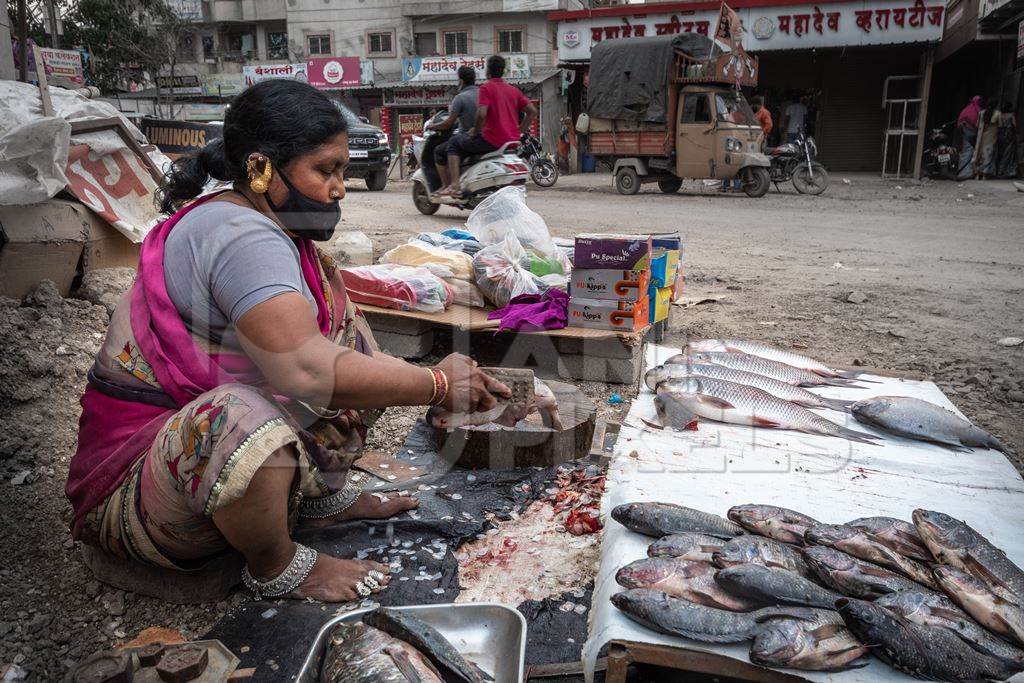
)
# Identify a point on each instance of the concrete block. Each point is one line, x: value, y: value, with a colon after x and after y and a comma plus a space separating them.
x: 609, y: 347
x: 405, y: 345
x: 597, y: 369
x: 382, y: 323
x: 212, y: 582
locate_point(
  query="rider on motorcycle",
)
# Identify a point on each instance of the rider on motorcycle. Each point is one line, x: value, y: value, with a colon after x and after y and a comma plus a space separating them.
x: 461, y: 116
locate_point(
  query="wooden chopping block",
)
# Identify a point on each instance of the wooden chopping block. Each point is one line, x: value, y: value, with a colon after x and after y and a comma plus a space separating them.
x: 519, y: 380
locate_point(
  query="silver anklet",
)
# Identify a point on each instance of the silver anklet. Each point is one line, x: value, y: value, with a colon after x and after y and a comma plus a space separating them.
x: 291, y: 578
x: 328, y: 506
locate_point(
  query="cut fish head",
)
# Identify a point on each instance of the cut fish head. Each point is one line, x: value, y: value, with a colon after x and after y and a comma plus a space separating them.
x: 672, y: 410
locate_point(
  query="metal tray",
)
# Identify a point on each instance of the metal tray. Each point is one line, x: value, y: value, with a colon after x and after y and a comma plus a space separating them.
x: 490, y: 635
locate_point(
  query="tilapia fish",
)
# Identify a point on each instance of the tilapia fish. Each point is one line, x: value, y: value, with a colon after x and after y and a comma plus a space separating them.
x: 921, y: 651
x: 863, y: 546
x: 760, y: 550
x: 677, y: 617
x: 428, y: 641
x: 781, y: 524
x: 693, y: 581
x: 995, y: 608
x: 935, y: 609
x: 722, y: 401
x: 357, y: 653
x: 818, y: 642
x: 690, y: 545
x: 916, y: 419
x: 761, y: 366
x: 953, y: 542
x: 775, y: 586
x: 662, y: 519
x: 778, y: 389
x: 854, y: 577
x: 899, y: 535
x: 761, y: 350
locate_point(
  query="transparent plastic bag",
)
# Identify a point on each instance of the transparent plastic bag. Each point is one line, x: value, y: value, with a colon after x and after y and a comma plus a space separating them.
x: 395, y: 286
x: 500, y: 274
x: 441, y: 262
x: 505, y: 212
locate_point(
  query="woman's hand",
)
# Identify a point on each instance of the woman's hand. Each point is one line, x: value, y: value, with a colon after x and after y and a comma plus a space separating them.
x: 469, y: 389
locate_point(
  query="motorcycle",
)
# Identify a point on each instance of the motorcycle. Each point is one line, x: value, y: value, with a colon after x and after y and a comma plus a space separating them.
x: 941, y: 158
x: 481, y: 176
x: 795, y: 161
x: 543, y: 169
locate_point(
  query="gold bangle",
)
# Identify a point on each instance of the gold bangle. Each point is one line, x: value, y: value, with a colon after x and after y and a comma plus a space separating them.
x: 433, y: 391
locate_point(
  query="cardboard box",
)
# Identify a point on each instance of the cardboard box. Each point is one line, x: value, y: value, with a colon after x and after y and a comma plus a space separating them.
x: 615, y: 252
x: 56, y: 240
x: 625, y: 316
x: 595, y: 283
x: 663, y: 274
x: 660, y: 300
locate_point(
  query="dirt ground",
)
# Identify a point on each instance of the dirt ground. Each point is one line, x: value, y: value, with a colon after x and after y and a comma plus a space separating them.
x: 939, y: 267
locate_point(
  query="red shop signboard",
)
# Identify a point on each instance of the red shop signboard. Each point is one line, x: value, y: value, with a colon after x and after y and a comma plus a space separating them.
x: 333, y: 73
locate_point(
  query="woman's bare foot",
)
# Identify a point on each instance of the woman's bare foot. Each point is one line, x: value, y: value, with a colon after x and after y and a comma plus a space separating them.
x: 334, y: 580
x: 369, y: 506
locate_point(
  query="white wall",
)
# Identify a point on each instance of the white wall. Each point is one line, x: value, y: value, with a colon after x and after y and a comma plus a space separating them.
x: 7, y: 71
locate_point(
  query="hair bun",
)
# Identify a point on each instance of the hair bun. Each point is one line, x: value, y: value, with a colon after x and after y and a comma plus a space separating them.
x: 213, y: 156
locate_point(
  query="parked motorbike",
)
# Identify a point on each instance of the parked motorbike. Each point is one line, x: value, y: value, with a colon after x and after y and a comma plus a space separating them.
x: 795, y: 161
x: 941, y: 158
x: 543, y: 169
x: 481, y: 174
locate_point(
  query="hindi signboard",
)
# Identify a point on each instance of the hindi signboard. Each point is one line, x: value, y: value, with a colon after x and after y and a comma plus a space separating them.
x: 63, y: 67
x: 185, y: 84
x: 251, y: 75
x: 446, y: 68
x: 334, y: 73
x: 426, y: 96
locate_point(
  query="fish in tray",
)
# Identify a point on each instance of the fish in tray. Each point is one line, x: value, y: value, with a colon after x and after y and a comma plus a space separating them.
x: 925, y: 652
x: 817, y: 642
x: 677, y: 617
x: 854, y: 577
x: 995, y: 608
x: 777, y: 388
x: 782, y: 524
x: 916, y: 419
x: 429, y: 642
x: 761, y: 366
x: 760, y: 550
x: 755, y: 348
x: 897, y: 534
x: 693, y: 581
x: 935, y: 609
x: 863, y: 546
x: 954, y: 543
x: 357, y: 653
x: 688, y: 545
x: 663, y: 519
x: 733, y: 403
x: 775, y: 586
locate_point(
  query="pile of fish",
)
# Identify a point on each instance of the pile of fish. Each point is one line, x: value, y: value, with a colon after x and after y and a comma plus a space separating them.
x: 750, y: 383
x: 932, y: 598
x: 391, y: 645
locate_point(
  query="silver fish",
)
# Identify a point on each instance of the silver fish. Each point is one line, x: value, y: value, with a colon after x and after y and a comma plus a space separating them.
x: 778, y: 389
x: 899, y: 535
x: 995, y: 608
x: 916, y: 419
x: 663, y: 519
x: 761, y: 366
x: 689, y: 545
x: 762, y: 350
x: 819, y: 642
x: 693, y: 581
x: 357, y: 653
x: 864, y: 546
x: 782, y: 524
x: 760, y: 550
x: 721, y: 401
x: 854, y: 577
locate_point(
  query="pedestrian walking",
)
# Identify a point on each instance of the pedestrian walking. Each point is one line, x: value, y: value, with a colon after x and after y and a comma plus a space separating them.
x: 795, y: 117
x: 1006, y: 142
x: 988, y: 130
x: 967, y: 126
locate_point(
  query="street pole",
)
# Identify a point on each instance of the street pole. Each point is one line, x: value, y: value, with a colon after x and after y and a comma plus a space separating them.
x: 51, y: 12
x: 927, y: 63
x: 22, y: 41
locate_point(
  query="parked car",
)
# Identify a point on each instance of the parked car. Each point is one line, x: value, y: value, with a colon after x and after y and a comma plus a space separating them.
x: 369, y: 153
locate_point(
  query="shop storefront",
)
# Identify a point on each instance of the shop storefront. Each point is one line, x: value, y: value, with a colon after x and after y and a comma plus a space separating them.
x: 838, y: 56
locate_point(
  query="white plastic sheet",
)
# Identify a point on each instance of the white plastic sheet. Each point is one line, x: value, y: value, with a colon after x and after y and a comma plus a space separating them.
x: 830, y: 479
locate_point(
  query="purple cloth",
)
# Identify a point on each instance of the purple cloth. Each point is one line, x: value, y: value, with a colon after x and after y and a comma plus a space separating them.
x: 533, y: 312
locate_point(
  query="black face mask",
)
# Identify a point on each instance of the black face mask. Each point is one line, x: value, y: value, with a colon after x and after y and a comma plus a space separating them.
x: 304, y: 216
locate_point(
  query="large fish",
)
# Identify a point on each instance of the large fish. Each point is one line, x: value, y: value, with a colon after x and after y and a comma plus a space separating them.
x: 677, y: 617
x: 899, y: 535
x: 762, y: 350
x: 357, y: 653
x: 689, y: 545
x: 428, y: 641
x: 781, y: 524
x: 693, y: 581
x: 953, y: 542
x: 916, y: 419
x: 935, y: 609
x: 863, y: 546
x: 921, y: 651
x: 662, y: 519
x: 819, y: 642
x: 997, y: 609
x: 760, y: 550
x: 778, y: 389
x: 775, y: 586
x: 733, y: 403
x: 761, y: 366
x: 673, y: 412
x: 854, y: 577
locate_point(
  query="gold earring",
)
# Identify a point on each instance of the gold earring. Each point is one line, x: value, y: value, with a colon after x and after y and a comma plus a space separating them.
x: 259, y: 181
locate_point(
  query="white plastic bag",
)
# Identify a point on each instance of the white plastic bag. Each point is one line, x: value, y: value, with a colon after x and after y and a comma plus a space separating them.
x: 506, y: 212
x: 499, y: 272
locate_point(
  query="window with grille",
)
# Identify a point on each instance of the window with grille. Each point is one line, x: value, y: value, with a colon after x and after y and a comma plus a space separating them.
x: 277, y: 45
x: 380, y: 43
x: 318, y: 44
x: 456, y: 42
x: 510, y: 40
